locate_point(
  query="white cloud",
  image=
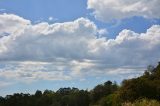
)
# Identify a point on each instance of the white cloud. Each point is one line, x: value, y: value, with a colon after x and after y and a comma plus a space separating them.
x: 32, y: 71
x: 102, y: 32
x: 107, y: 10
x: 12, y: 24
x: 71, y: 50
x: 52, y: 19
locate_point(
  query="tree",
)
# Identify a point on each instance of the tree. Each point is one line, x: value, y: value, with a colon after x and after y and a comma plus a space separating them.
x: 103, y: 90
x: 145, y: 86
x: 38, y: 93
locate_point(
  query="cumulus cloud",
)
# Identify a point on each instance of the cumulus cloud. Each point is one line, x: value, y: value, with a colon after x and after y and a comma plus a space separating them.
x: 108, y: 10
x: 11, y: 24
x: 71, y: 50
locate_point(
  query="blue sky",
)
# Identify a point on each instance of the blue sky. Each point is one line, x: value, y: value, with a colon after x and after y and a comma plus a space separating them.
x: 108, y: 57
x: 40, y: 9
x: 62, y: 11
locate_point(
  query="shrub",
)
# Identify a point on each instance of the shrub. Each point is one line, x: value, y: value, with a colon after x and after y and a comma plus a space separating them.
x: 143, y: 102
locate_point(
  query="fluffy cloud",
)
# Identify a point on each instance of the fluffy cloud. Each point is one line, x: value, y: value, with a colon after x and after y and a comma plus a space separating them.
x: 46, y: 42
x: 107, y: 10
x: 71, y: 50
x: 11, y: 24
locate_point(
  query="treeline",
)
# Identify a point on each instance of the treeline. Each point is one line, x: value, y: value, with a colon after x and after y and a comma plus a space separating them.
x: 144, y: 90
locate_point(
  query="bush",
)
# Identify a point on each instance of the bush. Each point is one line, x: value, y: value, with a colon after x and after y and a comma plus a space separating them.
x: 143, y: 102
x: 110, y: 100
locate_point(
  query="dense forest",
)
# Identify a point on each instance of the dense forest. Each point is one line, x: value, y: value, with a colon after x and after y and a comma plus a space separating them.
x: 140, y: 91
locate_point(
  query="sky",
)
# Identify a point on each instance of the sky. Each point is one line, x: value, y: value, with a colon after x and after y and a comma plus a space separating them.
x: 48, y: 44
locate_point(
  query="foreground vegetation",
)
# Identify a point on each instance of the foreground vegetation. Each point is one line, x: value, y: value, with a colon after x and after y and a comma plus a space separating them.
x: 141, y: 91
x: 143, y: 102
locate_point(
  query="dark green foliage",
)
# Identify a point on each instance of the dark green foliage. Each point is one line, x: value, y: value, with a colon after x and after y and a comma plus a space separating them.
x: 38, y: 93
x: 101, y: 91
x: 2, y: 101
x: 109, y: 100
x: 73, y: 97
x: 145, y: 86
x: 63, y: 97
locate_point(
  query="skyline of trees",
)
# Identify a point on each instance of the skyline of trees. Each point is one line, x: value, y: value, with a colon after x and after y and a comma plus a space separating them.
x: 136, y: 90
